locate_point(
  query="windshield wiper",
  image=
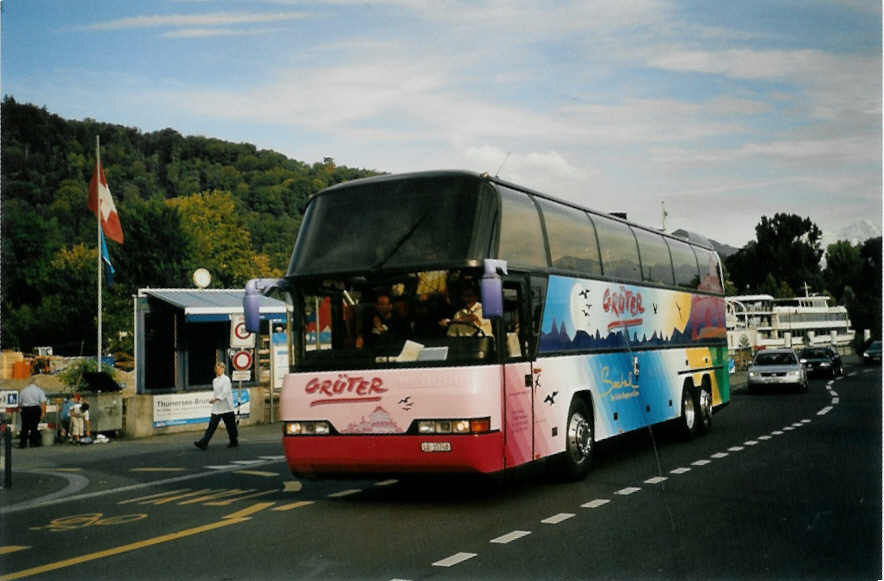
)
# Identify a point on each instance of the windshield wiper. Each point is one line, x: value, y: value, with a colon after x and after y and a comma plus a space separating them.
x: 401, y: 241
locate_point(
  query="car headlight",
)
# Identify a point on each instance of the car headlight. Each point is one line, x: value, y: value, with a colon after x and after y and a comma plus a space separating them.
x: 825, y: 364
x: 312, y: 428
x: 794, y: 374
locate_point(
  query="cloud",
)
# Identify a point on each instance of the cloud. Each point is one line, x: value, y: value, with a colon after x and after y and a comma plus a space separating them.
x: 211, y: 32
x: 195, y: 20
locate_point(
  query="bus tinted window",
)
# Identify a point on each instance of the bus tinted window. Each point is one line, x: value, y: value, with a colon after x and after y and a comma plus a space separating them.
x: 388, y: 224
x: 618, y: 249
x: 686, y: 272
x: 521, y: 238
x: 571, y: 235
x: 656, y: 264
x: 710, y: 273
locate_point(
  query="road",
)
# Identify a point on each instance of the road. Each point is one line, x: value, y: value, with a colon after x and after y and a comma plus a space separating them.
x: 786, y: 485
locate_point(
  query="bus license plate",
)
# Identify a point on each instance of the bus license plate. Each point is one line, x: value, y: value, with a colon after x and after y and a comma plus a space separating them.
x: 435, y: 446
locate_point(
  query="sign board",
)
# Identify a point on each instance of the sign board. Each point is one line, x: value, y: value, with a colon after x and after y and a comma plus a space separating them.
x: 279, y: 358
x: 241, y: 402
x: 179, y: 409
x: 239, y: 336
x: 8, y: 399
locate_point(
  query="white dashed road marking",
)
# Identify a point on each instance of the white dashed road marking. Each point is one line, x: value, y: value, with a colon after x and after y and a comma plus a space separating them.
x: 592, y: 504
x: 454, y: 559
x: 595, y: 503
x: 510, y: 537
x: 557, y: 518
x: 627, y: 491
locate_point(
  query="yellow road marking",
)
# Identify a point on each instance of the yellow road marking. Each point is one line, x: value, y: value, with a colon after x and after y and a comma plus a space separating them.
x: 12, y: 549
x: 121, y: 549
x: 298, y: 504
x: 292, y: 486
x: 345, y: 493
x: 216, y: 495
x: 168, y: 499
x: 158, y: 469
x: 157, y: 495
x: 257, y: 473
x: 236, y: 499
x: 250, y: 510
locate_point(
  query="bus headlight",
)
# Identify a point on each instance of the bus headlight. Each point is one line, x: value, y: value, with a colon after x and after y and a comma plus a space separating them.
x: 455, y: 426
x: 314, y: 428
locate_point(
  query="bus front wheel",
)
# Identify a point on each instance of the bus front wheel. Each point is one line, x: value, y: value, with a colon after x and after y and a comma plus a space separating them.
x: 579, y: 441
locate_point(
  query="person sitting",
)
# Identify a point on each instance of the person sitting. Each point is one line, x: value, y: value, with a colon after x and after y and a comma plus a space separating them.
x: 468, y: 321
x: 381, y: 325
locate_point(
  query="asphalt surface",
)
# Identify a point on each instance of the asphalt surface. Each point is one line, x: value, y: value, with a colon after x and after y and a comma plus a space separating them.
x: 786, y: 485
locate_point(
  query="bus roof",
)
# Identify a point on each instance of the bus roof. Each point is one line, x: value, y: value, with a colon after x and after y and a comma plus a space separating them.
x: 692, y: 238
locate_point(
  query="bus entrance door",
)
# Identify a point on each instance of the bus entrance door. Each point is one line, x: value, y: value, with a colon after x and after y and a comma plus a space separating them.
x: 518, y: 376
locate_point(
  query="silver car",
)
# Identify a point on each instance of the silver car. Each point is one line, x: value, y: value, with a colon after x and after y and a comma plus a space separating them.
x: 776, y: 367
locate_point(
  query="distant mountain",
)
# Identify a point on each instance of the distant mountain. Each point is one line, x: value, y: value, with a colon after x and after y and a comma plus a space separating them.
x: 723, y: 250
x: 855, y: 233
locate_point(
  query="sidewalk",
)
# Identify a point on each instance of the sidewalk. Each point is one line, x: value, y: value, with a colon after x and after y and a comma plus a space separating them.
x: 47, y: 470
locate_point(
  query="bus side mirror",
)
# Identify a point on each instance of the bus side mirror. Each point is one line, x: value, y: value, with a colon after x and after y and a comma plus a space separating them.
x: 492, y: 288
x: 251, y: 301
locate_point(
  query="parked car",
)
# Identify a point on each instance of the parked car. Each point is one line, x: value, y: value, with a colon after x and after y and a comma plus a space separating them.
x: 821, y: 361
x: 872, y: 354
x: 774, y: 368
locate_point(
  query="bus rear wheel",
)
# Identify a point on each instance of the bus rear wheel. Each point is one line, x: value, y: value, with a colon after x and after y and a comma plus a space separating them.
x: 689, y: 413
x: 705, y: 405
x: 579, y: 442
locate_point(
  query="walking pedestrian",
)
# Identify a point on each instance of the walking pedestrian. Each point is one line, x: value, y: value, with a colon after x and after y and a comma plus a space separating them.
x: 222, y: 408
x: 33, y: 407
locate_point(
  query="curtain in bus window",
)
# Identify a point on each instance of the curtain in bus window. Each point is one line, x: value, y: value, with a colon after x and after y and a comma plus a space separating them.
x: 521, y: 237
x: 618, y: 249
x: 687, y: 274
x: 710, y: 274
x: 572, y: 242
x: 656, y: 264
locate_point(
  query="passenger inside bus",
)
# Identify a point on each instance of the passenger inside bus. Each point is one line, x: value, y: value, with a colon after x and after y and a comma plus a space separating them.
x: 468, y: 321
x: 383, y: 324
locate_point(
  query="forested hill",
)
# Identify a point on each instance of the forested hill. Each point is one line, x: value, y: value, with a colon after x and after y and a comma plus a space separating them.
x: 184, y: 202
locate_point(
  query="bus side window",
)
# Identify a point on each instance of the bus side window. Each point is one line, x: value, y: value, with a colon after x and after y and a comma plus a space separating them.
x: 687, y: 272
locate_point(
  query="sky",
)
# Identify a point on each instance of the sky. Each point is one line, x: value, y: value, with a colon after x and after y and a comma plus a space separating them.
x: 720, y: 112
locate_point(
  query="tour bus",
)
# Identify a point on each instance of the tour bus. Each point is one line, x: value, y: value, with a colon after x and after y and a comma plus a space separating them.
x: 454, y: 322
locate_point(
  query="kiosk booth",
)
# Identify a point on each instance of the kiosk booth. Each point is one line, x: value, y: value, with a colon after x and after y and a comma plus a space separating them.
x: 179, y: 335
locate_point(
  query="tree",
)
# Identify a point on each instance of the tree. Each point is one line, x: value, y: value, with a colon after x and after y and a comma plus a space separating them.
x: 787, y: 247
x: 219, y: 239
x: 843, y: 268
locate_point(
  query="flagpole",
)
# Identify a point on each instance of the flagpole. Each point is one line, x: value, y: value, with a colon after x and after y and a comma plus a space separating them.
x: 98, y: 218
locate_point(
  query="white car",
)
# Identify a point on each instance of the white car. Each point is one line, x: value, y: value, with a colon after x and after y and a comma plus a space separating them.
x: 776, y: 367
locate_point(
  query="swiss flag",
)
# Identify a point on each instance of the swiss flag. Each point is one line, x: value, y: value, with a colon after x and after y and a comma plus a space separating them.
x: 100, y: 193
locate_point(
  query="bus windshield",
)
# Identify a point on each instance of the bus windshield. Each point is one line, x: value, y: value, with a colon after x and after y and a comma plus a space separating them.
x: 433, y: 317
x: 386, y: 224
